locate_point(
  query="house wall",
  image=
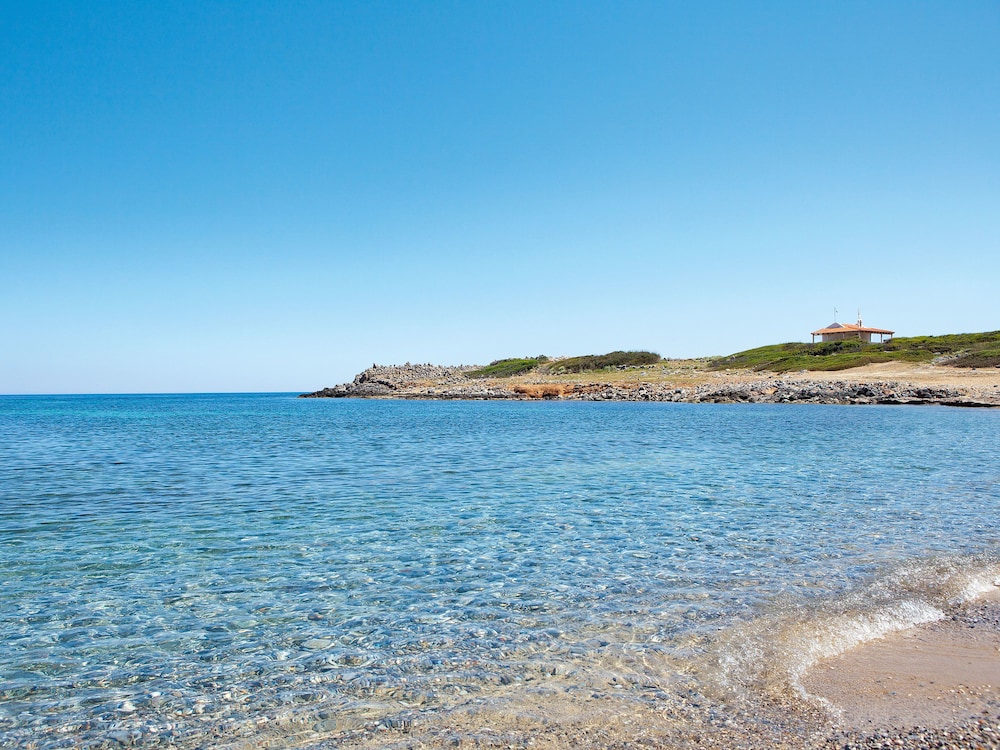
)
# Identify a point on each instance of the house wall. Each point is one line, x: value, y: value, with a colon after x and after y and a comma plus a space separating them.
x: 866, y: 337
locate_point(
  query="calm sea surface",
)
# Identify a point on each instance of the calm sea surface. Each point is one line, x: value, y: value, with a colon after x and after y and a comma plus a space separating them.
x: 240, y: 570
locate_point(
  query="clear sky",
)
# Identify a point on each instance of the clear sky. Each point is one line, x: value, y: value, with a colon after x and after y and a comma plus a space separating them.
x: 256, y: 196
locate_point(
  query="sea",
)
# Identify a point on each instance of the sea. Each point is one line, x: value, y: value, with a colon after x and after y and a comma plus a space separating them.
x: 259, y: 570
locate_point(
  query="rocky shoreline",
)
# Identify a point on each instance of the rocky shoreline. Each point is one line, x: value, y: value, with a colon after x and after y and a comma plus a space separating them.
x: 434, y: 382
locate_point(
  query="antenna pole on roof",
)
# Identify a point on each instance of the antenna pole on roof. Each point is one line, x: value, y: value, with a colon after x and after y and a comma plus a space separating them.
x: 860, y: 324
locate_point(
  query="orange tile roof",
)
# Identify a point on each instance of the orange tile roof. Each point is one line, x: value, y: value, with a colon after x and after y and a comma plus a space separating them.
x: 850, y: 327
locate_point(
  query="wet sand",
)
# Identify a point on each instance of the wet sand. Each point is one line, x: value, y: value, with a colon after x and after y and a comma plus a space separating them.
x: 935, y: 676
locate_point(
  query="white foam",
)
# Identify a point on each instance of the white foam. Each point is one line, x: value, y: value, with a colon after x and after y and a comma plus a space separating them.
x: 977, y: 586
x: 775, y: 651
x: 837, y: 635
x: 953, y: 586
x: 843, y: 633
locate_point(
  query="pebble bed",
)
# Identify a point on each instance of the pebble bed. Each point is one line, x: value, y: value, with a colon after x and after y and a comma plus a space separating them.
x: 242, y: 571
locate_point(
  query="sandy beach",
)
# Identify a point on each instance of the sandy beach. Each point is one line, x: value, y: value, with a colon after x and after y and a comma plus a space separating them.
x: 935, y: 680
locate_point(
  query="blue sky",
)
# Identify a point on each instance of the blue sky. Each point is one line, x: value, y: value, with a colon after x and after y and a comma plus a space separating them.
x: 271, y: 196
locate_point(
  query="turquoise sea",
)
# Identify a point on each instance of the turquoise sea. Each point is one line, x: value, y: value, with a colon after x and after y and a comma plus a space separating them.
x: 260, y: 570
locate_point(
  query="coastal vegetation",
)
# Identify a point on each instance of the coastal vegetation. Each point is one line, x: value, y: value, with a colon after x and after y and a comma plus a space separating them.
x: 955, y: 350
x: 505, y: 368
x: 645, y: 376
x: 617, y: 359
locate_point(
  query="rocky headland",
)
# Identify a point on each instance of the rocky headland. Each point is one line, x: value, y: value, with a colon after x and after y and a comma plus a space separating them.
x: 693, y: 385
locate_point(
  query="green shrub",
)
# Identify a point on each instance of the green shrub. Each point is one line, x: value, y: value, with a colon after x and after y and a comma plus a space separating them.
x: 505, y: 368
x: 601, y: 361
x: 974, y: 350
x: 981, y: 358
x: 835, y: 347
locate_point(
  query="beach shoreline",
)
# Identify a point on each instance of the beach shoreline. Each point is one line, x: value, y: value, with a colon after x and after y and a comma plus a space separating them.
x: 937, y: 682
x: 933, y: 685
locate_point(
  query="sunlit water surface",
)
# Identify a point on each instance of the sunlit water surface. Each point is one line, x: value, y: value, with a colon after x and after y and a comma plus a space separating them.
x: 250, y: 569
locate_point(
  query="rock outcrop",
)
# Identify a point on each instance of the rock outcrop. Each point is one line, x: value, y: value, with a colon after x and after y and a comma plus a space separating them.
x: 436, y: 382
x: 395, y: 381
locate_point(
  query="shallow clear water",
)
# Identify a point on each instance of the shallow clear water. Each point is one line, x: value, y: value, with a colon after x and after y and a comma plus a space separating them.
x: 259, y: 567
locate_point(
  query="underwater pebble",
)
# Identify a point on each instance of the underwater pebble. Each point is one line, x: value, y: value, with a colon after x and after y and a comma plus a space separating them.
x: 413, y: 641
x: 325, y: 725
x: 317, y: 644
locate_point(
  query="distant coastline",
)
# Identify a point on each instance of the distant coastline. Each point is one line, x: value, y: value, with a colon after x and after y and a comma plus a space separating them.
x: 684, y: 381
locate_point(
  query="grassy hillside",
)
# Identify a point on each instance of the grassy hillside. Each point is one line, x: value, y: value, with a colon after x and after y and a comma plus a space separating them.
x: 505, y: 368
x: 600, y: 361
x: 955, y: 350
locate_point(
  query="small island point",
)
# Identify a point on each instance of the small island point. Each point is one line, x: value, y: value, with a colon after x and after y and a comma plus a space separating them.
x: 951, y: 370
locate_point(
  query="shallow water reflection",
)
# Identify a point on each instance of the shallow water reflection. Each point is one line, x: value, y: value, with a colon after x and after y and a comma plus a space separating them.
x: 182, y: 568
